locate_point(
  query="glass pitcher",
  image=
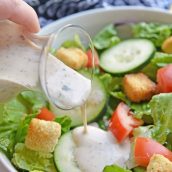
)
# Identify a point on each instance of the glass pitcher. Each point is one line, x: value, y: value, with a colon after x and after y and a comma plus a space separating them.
x: 28, y: 61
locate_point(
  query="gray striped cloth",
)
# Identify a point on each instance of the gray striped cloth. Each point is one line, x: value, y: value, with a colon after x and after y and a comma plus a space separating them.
x: 50, y: 10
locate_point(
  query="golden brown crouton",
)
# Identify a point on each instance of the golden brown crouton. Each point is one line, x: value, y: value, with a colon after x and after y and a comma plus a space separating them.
x: 159, y: 163
x: 42, y: 135
x: 167, y: 45
x: 72, y: 57
x: 138, y: 87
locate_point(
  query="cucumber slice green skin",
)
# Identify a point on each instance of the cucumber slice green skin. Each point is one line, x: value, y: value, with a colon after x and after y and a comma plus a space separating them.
x: 63, y: 154
x: 95, y: 104
x: 118, y: 65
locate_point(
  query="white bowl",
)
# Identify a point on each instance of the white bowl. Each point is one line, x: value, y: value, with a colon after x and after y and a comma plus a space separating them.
x: 93, y: 21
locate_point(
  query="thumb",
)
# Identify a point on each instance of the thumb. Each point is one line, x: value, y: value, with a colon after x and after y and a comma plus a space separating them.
x: 21, y: 13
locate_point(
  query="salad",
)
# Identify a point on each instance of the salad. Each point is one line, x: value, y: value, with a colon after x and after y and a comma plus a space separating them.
x: 128, y: 111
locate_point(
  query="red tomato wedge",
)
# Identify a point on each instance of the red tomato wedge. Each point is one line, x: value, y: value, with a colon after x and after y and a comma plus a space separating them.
x: 145, y: 148
x: 122, y: 122
x: 46, y: 115
x: 96, y: 57
x: 164, y: 79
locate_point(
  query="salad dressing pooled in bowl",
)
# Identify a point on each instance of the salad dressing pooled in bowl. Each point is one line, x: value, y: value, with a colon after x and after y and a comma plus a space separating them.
x: 26, y: 61
x: 98, y: 148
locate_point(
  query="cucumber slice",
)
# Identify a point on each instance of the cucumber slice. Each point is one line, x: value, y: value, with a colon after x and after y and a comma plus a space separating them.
x: 63, y: 154
x: 95, y: 104
x: 127, y: 56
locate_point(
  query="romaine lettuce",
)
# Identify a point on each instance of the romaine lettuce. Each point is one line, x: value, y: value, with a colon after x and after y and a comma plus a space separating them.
x: 161, y: 112
x: 158, y: 60
x: 139, y: 169
x: 15, y: 117
x: 29, y: 160
x: 168, y: 143
x: 34, y: 100
x: 10, y: 116
x: 115, y: 168
x: 76, y: 42
x: 111, y: 83
x: 23, y: 128
x: 157, y: 33
x: 138, y: 109
x: 106, y: 38
x: 65, y: 122
x: 143, y: 131
x: 161, y: 59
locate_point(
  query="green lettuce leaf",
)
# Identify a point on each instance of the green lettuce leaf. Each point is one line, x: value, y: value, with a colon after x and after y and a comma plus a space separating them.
x: 26, y: 159
x: 143, y: 131
x: 106, y: 38
x: 150, y: 70
x: 115, y: 168
x: 34, y: 100
x: 138, y: 109
x: 10, y: 115
x: 65, y: 122
x: 15, y: 116
x: 23, y: 128
x: 139, y: 169
x: 161, y: 112
x: 111, y: 83
x: 76, y: 42
x: 168, y: 142
x: 121, y: 96
x: 157, y: 33
x: 161, y: 59
x: 104, y: 121
x: 52, y: 51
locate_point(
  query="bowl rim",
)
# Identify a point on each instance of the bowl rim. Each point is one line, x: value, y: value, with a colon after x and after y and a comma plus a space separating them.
x: 104, y: 10
x: 5, y: 162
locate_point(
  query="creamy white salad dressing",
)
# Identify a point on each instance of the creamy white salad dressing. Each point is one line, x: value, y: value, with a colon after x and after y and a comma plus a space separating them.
x: 84, y: 116
x: 98, y: 148
x: 66, y: 86
x: 18, y: 60
x: 19, y: 63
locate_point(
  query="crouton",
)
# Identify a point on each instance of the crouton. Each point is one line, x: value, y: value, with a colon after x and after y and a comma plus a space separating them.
x: 42, y: 135
x: 159, y: 163
x: 72, y: 57
x: 167, y: 45
x: 138, y: 87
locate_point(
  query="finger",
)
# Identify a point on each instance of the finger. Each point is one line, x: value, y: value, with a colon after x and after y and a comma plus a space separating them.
x: 6, y: 7
x: 19, y: 12
x: 25, y: 15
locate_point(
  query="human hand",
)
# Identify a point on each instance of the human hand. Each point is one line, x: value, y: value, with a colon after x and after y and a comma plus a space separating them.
x: 19, y: 12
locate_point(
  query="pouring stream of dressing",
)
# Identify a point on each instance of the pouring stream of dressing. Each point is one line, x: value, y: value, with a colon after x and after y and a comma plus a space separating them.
x: 84, y: 115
